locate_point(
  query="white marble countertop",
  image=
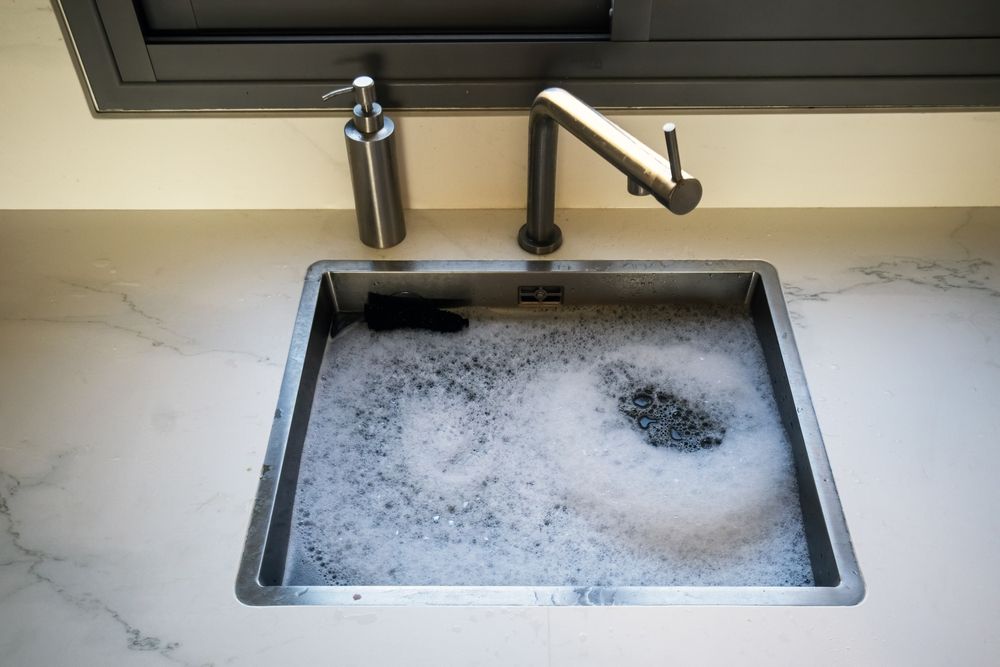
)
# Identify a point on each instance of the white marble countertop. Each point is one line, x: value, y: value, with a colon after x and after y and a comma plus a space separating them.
x: 141, y: 355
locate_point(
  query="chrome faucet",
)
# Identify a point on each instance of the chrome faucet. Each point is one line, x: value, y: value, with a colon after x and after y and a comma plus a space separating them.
x: 647, y: 171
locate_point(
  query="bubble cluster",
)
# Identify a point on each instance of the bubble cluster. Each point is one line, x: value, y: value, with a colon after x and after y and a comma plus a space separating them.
x: 514, y: 453
x: 670, y: 420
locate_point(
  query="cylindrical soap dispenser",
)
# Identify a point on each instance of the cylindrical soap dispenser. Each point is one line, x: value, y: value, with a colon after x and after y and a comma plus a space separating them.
x: 371, y: 155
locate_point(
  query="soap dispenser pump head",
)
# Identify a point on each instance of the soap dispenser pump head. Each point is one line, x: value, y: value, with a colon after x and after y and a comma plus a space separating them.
x: 364, y: 93
x: 367, y: 112
x: 363, y: 88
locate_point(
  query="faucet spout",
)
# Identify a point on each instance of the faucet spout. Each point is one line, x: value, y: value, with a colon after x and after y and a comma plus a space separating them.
x: 646, y: 169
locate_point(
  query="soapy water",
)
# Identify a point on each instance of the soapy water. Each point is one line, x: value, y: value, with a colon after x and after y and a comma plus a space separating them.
x: 611, y: 446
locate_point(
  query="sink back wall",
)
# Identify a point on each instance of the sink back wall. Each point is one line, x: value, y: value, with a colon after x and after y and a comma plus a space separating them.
x: 55, y: 155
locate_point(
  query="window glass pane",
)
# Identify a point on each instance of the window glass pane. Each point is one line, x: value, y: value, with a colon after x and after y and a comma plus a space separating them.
x: 367, y: 17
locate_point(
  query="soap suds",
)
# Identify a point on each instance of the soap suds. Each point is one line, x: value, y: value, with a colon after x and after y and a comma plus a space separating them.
x: 507, y: 454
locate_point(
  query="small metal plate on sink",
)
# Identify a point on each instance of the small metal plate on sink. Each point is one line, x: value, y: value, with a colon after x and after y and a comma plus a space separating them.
x: 540, y: 295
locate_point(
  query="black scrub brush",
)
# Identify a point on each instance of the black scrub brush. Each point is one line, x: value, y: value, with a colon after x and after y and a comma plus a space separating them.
x: 384, y: 313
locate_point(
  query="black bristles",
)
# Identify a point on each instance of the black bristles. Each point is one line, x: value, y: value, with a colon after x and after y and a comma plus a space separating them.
x: 384, y: 313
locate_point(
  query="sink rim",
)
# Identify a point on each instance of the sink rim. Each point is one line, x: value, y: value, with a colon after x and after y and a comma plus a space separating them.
x: 251, y: 591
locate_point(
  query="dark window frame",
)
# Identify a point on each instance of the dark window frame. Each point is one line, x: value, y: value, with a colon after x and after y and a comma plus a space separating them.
x: 128, y: 71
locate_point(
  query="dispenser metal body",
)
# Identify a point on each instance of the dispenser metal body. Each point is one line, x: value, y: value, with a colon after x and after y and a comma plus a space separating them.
x: 371, y: 154
x: 377, y: 202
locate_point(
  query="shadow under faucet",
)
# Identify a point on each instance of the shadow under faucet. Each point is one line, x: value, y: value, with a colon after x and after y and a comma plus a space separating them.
x: 648, y: 172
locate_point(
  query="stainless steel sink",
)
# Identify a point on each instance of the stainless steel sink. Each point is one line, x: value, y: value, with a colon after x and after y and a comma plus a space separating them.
x: 529, y: 293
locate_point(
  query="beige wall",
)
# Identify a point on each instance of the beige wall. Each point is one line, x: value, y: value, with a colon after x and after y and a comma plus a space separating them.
x: 54, y: 154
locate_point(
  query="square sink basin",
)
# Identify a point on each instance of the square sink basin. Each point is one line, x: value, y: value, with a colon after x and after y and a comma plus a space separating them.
x: 590, y: 433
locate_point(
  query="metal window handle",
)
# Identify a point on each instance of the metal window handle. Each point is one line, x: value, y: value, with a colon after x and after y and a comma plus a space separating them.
x: 673, y: 152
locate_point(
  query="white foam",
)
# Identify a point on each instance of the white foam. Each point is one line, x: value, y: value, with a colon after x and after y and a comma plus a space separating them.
x: 500, y: 456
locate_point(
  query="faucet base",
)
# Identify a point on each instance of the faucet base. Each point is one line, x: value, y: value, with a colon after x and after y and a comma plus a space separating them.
x: 531, y: 245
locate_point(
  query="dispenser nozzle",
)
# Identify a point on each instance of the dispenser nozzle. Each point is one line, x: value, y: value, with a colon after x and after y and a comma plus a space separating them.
x: 363, y: 88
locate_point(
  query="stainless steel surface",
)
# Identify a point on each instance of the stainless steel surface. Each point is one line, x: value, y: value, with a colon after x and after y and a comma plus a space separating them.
x: 363, y: 88
x: 635, y: 188
x: 335, y: 292
x: 336, y: 92
x: 364, y: 93
x: 540, y: 295
x: 371, y: 155
x: 673, y: 152
x: 647, y: 170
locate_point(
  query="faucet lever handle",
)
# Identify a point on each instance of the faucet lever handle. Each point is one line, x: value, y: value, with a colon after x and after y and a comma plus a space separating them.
x: 673, y: 152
